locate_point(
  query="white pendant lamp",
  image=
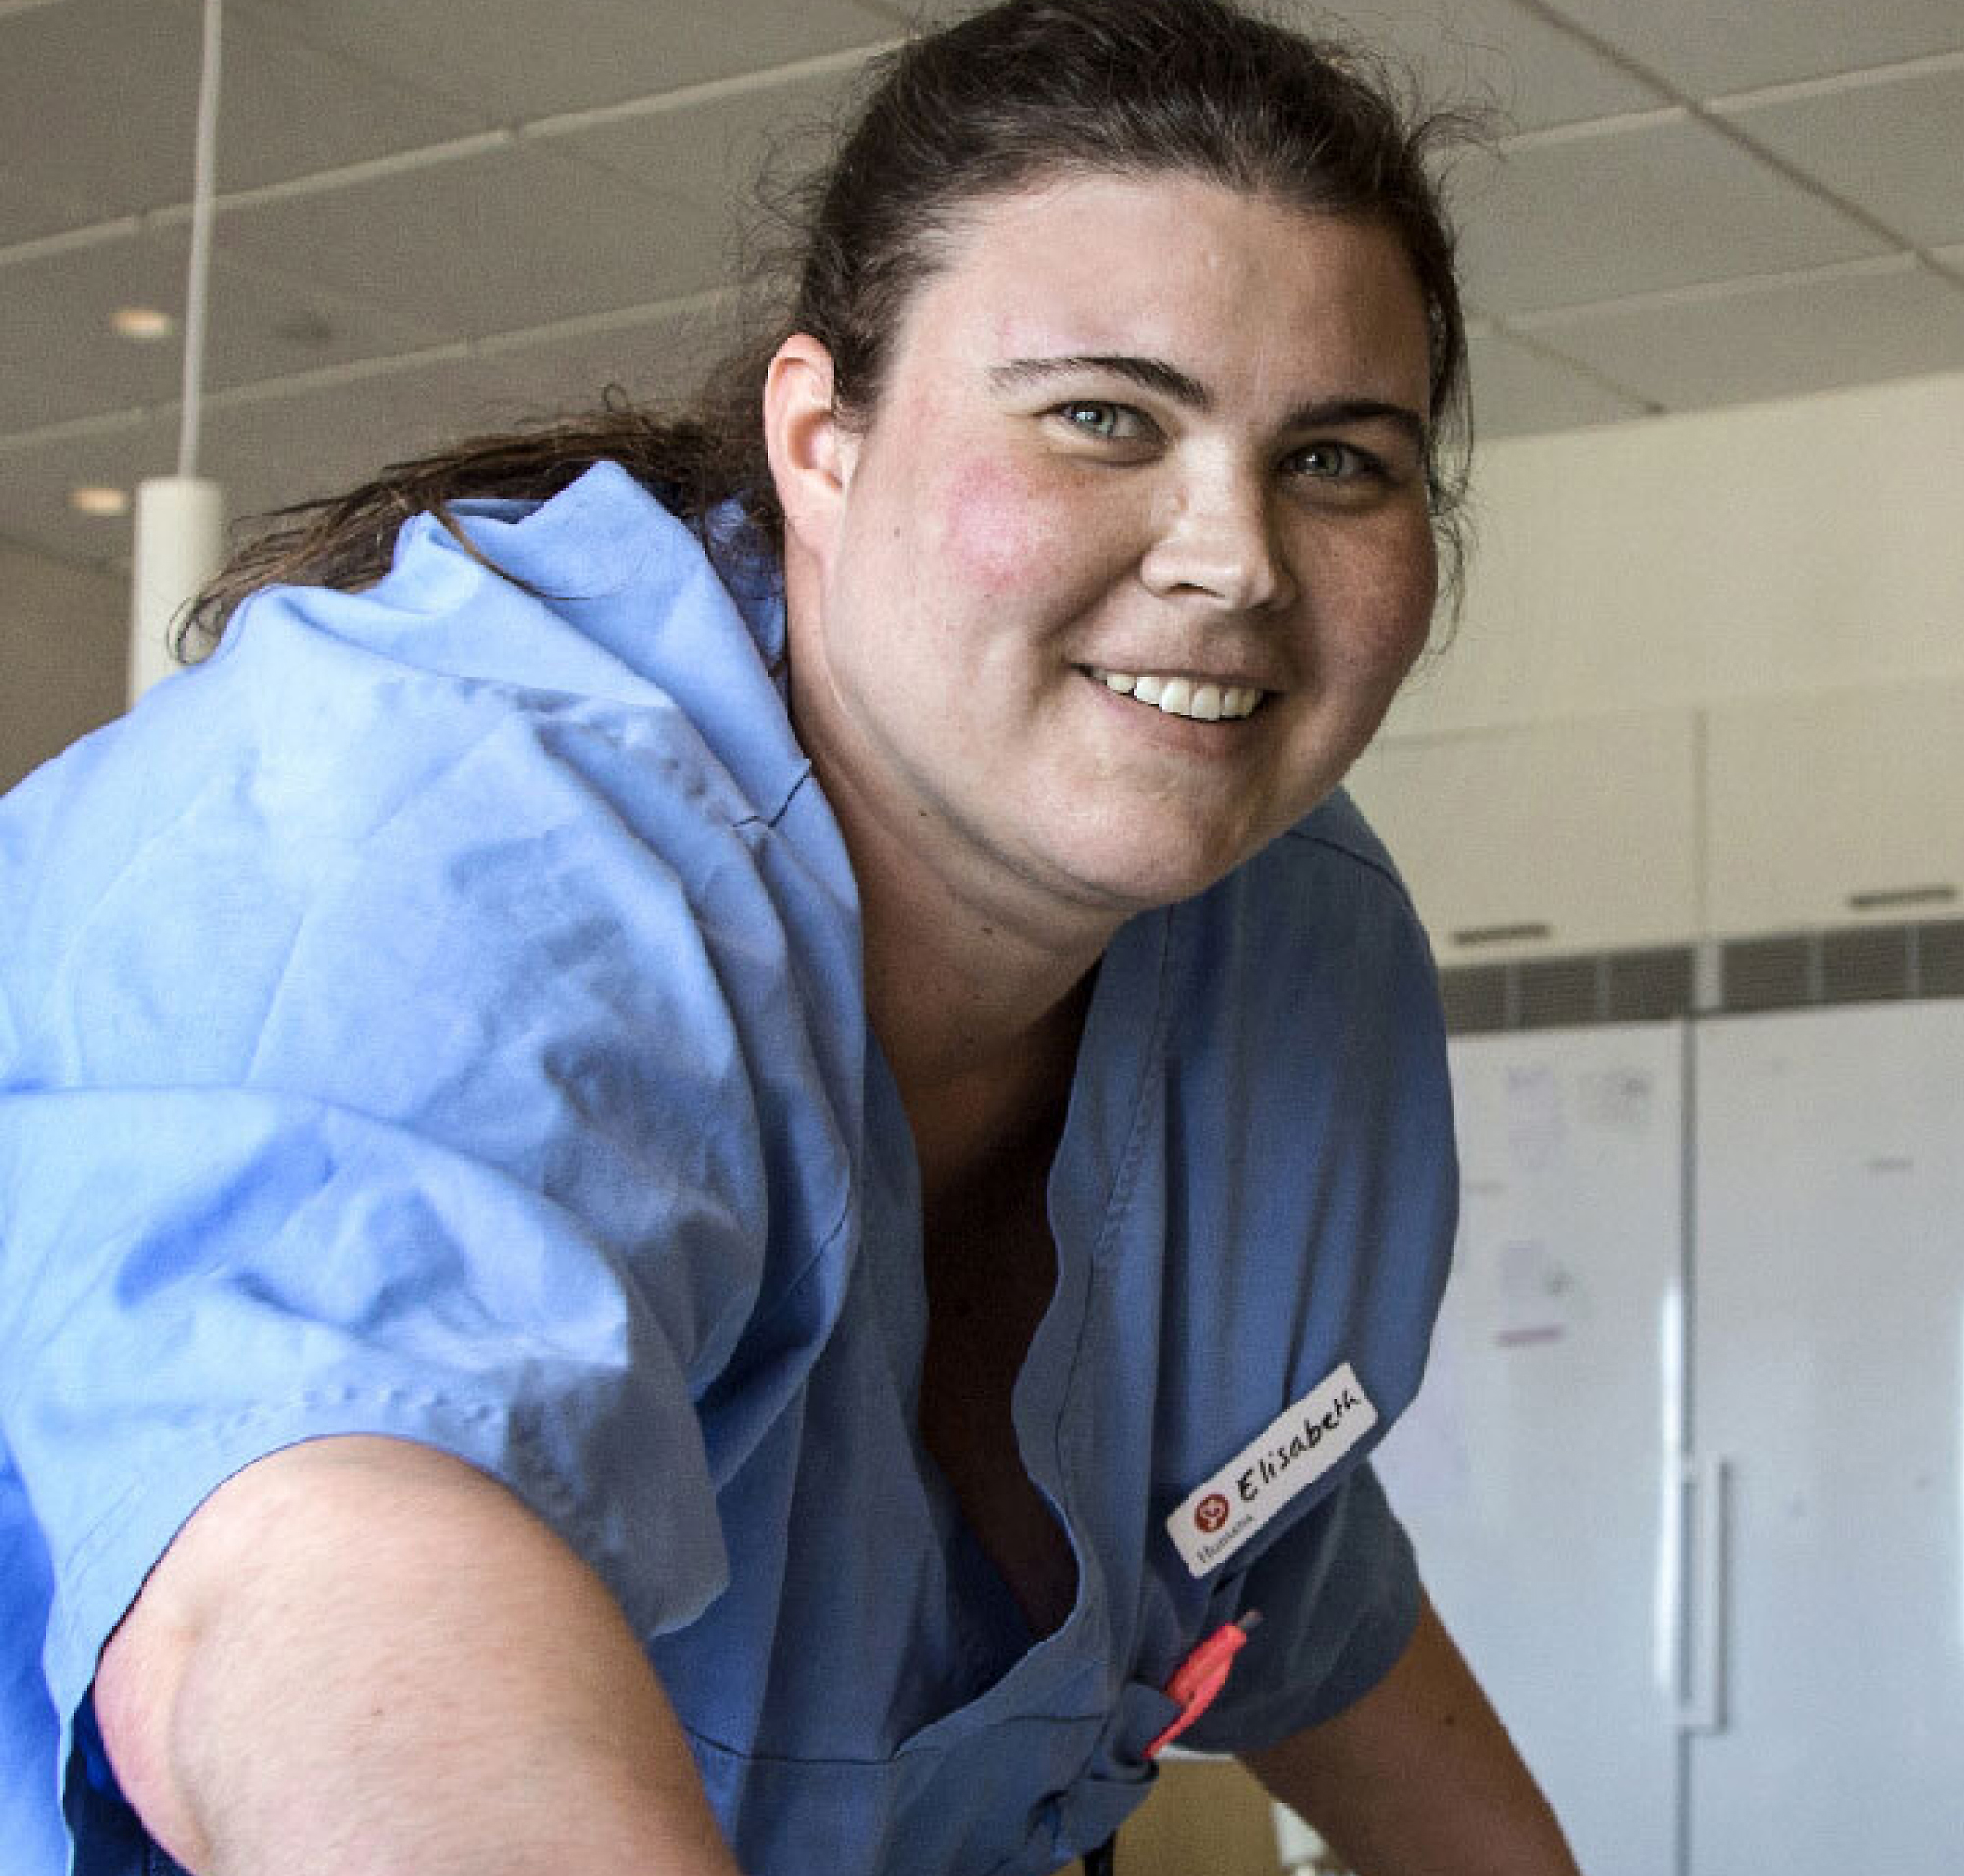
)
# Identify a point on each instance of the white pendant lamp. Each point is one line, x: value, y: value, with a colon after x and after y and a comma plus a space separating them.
x: 180, y: 533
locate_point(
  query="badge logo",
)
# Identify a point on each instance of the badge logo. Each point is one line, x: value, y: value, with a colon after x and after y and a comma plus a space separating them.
x: 1211, y: 1512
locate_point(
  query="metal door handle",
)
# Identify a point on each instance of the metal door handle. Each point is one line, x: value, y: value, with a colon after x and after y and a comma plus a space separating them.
x: 1701, y: 1706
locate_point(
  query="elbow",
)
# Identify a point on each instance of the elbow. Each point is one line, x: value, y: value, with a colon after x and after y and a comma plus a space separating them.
x: 139, y: 1683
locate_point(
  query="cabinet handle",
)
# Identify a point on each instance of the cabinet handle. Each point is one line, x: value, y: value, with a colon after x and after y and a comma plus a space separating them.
x: 1499, y: 934
x: 1899, y: 896
x: 1701, y: 1706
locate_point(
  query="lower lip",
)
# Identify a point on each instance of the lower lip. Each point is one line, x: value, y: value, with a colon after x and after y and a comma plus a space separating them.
x: 1193, y: 735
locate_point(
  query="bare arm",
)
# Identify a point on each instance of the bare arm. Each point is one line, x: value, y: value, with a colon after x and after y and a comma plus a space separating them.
x: 1419, y: 1777
x: 363, y: 1656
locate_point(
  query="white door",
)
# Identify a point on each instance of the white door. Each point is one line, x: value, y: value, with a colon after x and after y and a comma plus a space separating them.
x: 1828, y: 1376
x: 1538, y: 1469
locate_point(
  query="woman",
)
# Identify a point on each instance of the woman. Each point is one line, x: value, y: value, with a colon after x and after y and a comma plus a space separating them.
x: 693, y: 1187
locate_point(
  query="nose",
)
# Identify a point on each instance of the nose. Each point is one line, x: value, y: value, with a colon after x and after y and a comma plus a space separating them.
x: 1217, y: 542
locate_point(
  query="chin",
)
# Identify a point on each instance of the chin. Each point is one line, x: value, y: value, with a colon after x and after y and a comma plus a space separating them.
x: 1174, y: 869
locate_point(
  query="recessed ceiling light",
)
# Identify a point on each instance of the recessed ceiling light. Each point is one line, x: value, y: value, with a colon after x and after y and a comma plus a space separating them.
x: 92, y: 499
x: 142, y: 322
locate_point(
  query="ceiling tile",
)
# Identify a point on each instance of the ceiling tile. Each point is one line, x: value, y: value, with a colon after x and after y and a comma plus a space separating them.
x: 320, y: 438
x: 63, y: 360
x: 284, y: 109
x: 715, y: 150
x: 1709, y: 47
x: 266, y: 452
x: 1887, y: 320
x: 516, y: 60
x: 1661, y: 202
x: 1892, y: 145
x: 35, y: 479
x: 66, y: 363
x: 510, y: 237
x: 1518, y: 391
x: 26, y: 211
x: 1492, y: 53
x: 655, y: 360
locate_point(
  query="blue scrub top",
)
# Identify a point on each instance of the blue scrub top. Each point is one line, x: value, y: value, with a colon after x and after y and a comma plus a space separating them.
x: 439, y: 1015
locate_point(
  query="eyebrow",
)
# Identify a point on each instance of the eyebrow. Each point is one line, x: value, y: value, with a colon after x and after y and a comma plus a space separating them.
x: 1154, y: 374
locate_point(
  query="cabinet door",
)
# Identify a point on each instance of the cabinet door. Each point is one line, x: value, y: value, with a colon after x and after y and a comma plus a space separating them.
x: 1829, y: 1375
x: 1833, y: 809
x: 1551, y: 838
x: 1537, y: 1471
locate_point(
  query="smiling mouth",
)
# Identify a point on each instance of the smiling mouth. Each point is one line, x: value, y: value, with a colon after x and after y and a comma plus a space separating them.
x: 1201, y: 700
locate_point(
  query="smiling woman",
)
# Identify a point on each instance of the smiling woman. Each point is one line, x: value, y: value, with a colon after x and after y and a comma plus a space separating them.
x: 670, y: 1136
x: 957, y: 568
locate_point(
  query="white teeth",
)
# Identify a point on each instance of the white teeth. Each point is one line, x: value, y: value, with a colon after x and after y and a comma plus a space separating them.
x: 1205, y: 700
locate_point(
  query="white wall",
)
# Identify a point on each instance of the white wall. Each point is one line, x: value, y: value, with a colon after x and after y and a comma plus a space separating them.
x: 1760, y: 550
x: 64, y: 633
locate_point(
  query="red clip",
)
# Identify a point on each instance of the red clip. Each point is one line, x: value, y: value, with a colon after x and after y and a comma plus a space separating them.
x: 1202, y: 1676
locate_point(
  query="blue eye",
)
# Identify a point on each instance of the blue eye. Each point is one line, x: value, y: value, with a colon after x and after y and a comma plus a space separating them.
x: 1110, y: 422
x: 1332, y: 462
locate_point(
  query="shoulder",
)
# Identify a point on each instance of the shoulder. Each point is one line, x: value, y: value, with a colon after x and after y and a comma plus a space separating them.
x: 1338, y: 830
x: 1320, y: 918
x: 545, y: 790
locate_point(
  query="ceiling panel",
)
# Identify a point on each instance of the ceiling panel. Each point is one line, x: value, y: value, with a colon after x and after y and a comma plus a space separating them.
x: 64, y: 361
x: 656, y: 357
x: 1710, y: 47
x: 714, y: 152
x: 1661, y: 202
x: 1520, y: 390
x: 269, y: 451
x: 35, y: 479
x: 1886, y: 319
x: 318, y: 435
x: 514, y: 237
x: 26, y: 212
x: 360, y: 312
x: 1892, y: 145
x: 132, y: 71
x: 509, y: 60
x: 1494, y: 53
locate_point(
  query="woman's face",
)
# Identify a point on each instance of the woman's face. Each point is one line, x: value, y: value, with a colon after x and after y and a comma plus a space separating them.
x: 1134, y: 551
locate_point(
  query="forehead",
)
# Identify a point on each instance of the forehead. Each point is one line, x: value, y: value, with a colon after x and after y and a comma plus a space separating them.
x: 1181, y: 268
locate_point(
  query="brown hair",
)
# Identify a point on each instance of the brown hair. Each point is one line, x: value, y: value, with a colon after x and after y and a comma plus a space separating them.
x: 1026, y: 89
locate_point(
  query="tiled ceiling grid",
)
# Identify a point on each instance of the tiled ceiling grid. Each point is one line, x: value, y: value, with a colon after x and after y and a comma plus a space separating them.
x: 440, y: 215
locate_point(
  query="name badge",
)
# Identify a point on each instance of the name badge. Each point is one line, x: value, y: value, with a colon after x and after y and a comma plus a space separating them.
x: 1292, y: 1452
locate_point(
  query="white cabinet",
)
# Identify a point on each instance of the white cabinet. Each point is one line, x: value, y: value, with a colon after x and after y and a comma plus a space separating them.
x: 1834, y: 809
x: 1543, y: 839
x: 1777, y: 815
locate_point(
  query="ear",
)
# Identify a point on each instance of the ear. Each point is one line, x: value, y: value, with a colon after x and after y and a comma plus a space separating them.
x: 811, y: 453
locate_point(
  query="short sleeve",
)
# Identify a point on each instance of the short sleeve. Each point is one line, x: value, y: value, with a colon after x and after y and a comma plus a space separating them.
x: 1338, y: 1596
x: 451, y: 1072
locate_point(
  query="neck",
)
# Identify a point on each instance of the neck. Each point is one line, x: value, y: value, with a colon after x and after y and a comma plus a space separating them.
x: 979, y: 1018
x: 976, y: 981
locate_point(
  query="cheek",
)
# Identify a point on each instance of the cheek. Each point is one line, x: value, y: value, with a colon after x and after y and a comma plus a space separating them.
x: 1392, y: 616
x: 1000, y: 534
